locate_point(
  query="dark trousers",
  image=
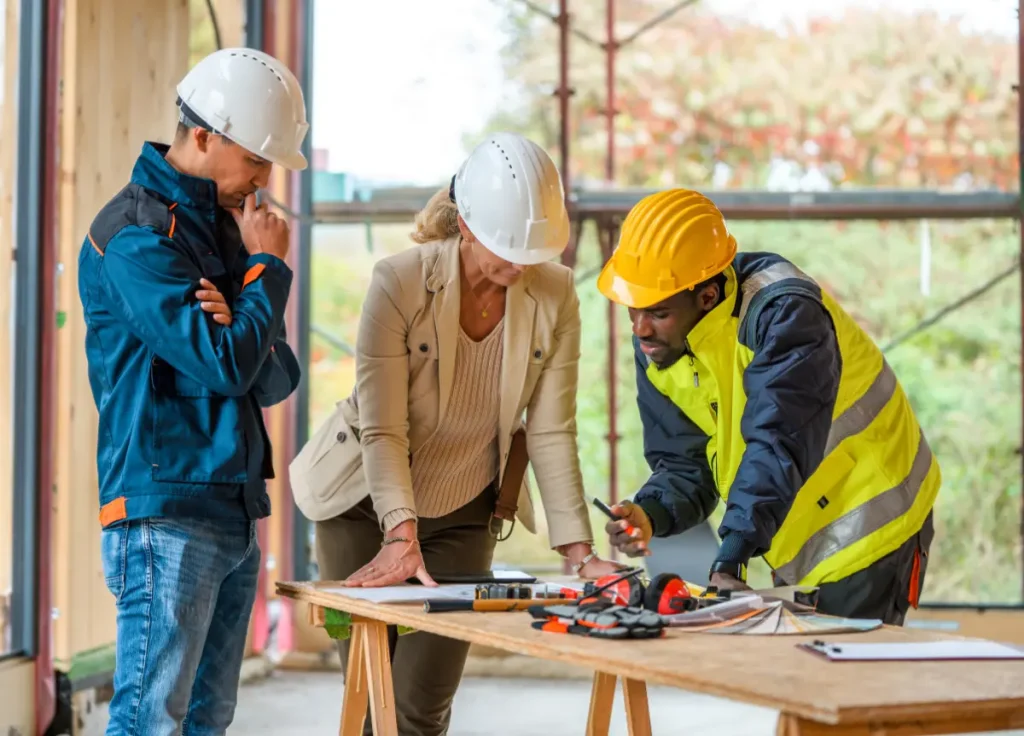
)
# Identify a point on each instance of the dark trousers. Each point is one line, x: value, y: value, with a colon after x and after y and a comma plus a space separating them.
x: 885, y: 589
x: 427, y: 668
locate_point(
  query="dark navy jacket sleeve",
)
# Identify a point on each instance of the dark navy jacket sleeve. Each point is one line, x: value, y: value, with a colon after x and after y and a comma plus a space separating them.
x: 151, y: 285
x: 680, y: 493
x: 791, y: 387
x: 279, y: 375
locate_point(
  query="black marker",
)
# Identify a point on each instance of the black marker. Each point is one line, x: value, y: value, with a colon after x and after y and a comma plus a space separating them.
x: 604, y: 508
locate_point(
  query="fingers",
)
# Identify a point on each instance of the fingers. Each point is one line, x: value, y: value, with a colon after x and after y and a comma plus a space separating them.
x: 215, y: 307
x: 251, y: 206
x: 626, y: 538
x: 362, y: 573
x: 210, y: 297
x: 395, y: 575
x: 424, y: 577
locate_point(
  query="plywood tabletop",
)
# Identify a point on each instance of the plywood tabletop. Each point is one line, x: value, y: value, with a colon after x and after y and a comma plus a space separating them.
x: 762, y: 670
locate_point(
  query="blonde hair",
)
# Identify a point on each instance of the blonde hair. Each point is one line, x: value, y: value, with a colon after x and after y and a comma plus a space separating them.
x: 438, y: 220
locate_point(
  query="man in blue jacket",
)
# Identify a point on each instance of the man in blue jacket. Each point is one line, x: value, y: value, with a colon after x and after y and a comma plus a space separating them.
x: 756, y: 387
x: 184, y: 285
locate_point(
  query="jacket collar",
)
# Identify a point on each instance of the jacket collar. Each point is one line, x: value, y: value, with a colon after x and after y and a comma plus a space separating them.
x: 153, y: 172
x: 719, y: 317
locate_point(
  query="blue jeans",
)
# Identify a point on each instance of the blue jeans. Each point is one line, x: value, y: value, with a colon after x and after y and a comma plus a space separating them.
x: 184, y: 589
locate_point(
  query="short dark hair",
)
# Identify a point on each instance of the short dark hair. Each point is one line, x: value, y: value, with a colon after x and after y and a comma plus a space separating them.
x: 718, y: 278
x: 182, y: 131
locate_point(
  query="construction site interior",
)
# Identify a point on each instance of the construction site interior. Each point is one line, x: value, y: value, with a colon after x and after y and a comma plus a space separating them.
x: 877, y: 145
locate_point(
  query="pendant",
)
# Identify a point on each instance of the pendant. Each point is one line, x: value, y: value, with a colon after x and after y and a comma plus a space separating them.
x: 484, y: 314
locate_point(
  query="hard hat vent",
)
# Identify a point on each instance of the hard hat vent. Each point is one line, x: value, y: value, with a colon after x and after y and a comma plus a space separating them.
x: 499, y: 147
x: 261, y: 61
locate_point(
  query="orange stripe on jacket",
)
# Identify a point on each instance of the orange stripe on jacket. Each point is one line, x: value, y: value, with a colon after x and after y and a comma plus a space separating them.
x: 252, y: 274
x: 94, y: 244
x: 113, y: 511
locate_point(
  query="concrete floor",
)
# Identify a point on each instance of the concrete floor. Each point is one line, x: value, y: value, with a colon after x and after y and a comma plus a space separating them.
x: 294, y: 703
x: 309, y: 703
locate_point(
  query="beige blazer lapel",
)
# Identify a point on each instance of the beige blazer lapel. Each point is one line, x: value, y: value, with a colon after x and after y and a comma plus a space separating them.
x: 520, y: 309
x: 444, y: 283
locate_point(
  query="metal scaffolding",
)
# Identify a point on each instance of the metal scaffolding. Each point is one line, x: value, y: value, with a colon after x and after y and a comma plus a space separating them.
x: 607, y: 208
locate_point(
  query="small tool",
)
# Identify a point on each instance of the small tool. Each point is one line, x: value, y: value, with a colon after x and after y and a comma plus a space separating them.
x: 509, y: 604
x: 502, y: 591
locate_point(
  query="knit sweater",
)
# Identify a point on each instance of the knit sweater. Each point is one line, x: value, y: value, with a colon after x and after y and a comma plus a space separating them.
x: 461, y: 457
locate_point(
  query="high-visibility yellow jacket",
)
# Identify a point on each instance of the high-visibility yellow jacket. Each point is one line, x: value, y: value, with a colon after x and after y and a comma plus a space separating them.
x: 789, y: 413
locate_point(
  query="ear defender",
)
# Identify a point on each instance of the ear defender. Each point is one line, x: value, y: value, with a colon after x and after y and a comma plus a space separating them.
x: 667, y: 594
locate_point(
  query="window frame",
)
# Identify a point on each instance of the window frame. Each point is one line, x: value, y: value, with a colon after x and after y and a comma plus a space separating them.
x: 28, y: 328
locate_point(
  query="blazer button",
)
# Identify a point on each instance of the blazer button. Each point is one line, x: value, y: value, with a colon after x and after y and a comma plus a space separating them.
x: 536, y: 353
x: 342, y: 436
x: 423, y: 347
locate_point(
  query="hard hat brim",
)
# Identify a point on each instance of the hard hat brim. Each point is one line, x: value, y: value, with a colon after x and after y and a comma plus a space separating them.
x: 522, y: 256
x: 619, y: 290
x: 292, y: 162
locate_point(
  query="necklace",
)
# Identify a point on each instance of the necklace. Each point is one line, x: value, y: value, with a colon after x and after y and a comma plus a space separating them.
x: 483, y: 310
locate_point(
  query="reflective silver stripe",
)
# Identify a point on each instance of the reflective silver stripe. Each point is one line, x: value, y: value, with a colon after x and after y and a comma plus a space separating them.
x: 862, y: 521
x: 864, y: 410
x: 774, y: 273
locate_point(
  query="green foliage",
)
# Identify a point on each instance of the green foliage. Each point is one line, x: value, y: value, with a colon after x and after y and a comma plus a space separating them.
x: 887, y: 98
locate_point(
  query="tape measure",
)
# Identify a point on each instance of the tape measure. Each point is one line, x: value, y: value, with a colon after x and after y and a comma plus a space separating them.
x: 502, y: 591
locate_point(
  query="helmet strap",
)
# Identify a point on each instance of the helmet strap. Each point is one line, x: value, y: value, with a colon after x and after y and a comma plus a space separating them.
x: 187, y: 114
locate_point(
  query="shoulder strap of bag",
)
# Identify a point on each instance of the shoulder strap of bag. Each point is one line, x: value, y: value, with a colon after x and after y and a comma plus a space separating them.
x: 511, y: 482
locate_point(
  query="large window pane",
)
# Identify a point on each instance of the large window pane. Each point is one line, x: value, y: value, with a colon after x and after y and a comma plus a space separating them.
x: 8, y: 134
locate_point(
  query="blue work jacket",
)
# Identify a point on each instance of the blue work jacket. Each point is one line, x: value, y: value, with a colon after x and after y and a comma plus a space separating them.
x: 180, y: 396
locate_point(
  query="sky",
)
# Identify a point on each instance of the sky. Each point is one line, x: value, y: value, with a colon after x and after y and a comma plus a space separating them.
x: 395, y: 106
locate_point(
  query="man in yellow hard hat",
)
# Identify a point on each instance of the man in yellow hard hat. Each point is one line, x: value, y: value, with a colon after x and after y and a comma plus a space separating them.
x: 756, y: 387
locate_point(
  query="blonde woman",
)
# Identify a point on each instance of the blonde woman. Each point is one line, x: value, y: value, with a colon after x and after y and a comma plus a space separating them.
x: 460, y: 342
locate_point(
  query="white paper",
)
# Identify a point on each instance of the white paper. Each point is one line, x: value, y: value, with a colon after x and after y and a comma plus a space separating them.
x: 919, y: 650
x: 723, y: 611
x: 405, y: 593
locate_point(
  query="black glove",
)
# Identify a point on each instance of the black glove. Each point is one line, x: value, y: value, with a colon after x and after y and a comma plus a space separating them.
x: 601, y: 619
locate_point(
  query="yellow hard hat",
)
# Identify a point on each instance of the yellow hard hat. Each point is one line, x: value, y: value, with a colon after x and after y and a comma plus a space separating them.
x: 670, y: 241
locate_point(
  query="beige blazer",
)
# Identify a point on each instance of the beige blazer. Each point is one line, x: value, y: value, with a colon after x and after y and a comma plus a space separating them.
x: 405, y: 362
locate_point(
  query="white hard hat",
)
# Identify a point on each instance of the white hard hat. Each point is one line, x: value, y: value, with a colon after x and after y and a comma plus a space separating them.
x: 250, y: 98
x: 510, y: 195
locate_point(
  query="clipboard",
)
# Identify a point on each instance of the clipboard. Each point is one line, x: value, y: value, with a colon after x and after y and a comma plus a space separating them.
x: 913, y: 651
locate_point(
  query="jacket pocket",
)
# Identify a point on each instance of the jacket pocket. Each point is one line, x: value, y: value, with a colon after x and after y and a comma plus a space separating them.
x: 326, y: 467
x: 198, y: 435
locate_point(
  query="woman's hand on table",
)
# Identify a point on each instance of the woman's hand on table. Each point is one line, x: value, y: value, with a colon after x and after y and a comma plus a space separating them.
x: 595, y: 567
x: 399, y: 560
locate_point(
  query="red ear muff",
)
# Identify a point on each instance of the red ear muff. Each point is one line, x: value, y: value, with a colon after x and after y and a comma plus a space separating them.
x: 667, y: 594
x: 620, y: 590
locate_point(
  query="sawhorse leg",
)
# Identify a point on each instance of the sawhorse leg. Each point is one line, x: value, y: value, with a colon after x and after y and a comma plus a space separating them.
x: 602, y: 697
x: 368, y: 678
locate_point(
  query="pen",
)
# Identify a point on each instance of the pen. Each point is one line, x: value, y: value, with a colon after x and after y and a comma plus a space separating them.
x: 606, y: 510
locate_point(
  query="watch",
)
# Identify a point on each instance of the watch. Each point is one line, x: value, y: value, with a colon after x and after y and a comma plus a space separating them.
x: 736, y: 569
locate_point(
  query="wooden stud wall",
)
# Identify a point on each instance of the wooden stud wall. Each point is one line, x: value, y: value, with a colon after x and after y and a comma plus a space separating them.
x: 120, y: 64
